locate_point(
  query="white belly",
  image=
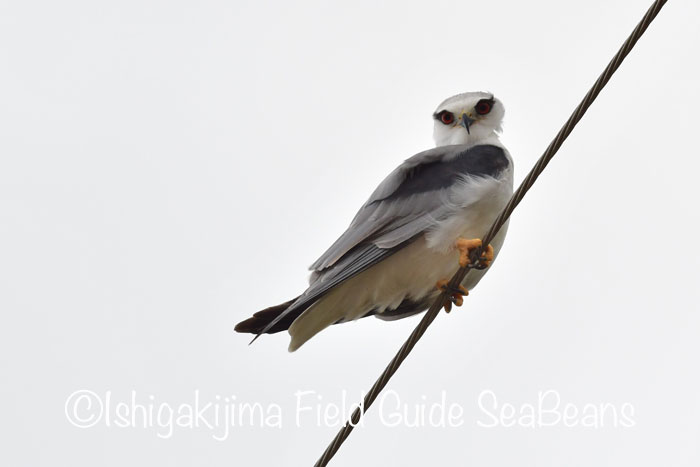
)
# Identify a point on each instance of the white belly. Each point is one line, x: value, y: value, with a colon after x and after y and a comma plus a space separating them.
x: 413, y: 271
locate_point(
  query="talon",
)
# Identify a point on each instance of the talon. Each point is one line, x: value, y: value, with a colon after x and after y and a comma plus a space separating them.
x: 486, y: 258
x: 466, y: 246
x: 456, y: 296
x: 442, y: 284
x: 489, y: 254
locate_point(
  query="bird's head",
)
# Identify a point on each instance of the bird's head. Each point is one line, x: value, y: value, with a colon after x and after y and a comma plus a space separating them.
x: 467, y: 118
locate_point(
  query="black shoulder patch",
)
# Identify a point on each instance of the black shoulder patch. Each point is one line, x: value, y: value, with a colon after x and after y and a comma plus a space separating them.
x: 479, y: 161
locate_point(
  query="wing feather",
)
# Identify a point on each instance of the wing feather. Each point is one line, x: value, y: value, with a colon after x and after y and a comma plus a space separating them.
x: 412, y: 199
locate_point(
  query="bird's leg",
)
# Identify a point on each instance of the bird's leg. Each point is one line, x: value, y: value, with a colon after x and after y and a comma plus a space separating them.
x: 456, y: 296
x: 466, y: 246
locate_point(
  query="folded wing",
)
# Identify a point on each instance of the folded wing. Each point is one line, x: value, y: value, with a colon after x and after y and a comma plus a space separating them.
x: 411, y: 200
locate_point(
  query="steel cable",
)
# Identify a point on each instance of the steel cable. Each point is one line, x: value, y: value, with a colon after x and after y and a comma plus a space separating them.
x: 515, y: 199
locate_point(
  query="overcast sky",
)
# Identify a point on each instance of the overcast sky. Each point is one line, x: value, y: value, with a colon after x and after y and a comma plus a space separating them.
x: 168, y: 168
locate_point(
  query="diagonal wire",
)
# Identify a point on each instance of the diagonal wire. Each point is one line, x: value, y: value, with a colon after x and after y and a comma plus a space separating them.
x: 542, y: 162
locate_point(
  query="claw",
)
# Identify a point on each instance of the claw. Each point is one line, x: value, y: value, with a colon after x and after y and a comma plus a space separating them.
x: 456, y: 295
x: 466, y: 246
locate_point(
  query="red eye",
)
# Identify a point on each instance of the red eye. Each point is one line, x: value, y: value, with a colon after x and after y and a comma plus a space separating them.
x: 483, y: 106
x: 446, y: 117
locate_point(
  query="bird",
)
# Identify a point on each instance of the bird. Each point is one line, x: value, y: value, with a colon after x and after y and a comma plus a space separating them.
x: 422, y: 221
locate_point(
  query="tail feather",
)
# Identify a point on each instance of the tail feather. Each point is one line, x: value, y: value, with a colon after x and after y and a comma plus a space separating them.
x: 256, y: 323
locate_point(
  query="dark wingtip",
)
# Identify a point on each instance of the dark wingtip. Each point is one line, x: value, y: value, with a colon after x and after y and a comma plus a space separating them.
x: 249, y: 325
x: 268, y: 321
x: 254, y: 339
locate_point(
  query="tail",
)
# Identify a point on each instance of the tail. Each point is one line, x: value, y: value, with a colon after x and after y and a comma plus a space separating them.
x: 256, y: 323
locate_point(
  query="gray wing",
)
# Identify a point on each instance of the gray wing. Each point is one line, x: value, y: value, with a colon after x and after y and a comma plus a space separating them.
x: 414, y: 197
x: 411, y: 200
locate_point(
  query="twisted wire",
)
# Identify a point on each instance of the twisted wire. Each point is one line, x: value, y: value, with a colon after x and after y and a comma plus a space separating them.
x: 515, y: 199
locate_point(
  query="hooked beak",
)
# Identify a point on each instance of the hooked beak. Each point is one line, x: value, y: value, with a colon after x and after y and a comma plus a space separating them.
x: 465, y: 121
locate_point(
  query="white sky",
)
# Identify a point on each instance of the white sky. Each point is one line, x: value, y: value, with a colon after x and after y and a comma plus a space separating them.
x: 168, y: 168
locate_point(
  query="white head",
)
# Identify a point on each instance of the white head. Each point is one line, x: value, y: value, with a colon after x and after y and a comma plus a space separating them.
x: 467, y: 118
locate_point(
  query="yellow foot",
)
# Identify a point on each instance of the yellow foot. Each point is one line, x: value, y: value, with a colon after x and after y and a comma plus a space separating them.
x: 456, y: 296
x: 466, y: 246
